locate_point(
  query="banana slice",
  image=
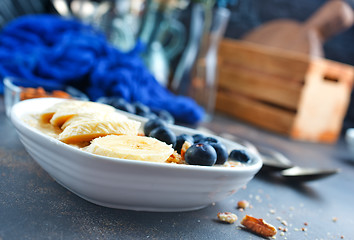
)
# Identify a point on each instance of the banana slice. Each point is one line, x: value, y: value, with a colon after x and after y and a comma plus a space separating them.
x: 99, y: 116
x: 59, y: 113
x: 131, y: 147
x: 82, y: 131
x: 48, y: 113
x: 64, y: 113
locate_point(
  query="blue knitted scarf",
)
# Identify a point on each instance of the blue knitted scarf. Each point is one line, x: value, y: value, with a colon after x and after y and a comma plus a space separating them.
x: 49, y: 48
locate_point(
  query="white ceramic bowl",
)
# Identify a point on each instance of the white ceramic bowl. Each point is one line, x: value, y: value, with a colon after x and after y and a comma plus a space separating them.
x: 128, y: 184
x: 349, y: 138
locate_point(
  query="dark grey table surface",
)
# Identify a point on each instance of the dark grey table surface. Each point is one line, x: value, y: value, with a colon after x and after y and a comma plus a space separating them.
x: 34, y: 206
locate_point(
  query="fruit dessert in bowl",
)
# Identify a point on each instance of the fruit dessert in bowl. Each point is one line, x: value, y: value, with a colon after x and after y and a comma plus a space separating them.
x: 110, y: 159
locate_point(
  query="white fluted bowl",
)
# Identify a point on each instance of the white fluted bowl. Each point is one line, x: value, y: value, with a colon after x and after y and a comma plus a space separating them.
x: 129, y: 184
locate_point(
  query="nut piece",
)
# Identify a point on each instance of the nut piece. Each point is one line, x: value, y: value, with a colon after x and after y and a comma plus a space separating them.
x: 259, y: 226
x: 227, y: 217
x: 28, y: 93
x: 184, y: 148
x: 243, y: 204
x: 175, y: 158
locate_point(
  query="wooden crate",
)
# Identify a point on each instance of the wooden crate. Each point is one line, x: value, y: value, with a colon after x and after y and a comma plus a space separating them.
x: 285, y: 92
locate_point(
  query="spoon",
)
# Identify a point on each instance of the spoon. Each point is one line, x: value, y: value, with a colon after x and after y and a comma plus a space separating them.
x: 307, y: 174
x: 277, y: 161
x: 274, y: 160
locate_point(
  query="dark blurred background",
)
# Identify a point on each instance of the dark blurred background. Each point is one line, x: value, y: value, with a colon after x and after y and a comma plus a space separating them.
x: 251, y: 13
x: 246, y: 15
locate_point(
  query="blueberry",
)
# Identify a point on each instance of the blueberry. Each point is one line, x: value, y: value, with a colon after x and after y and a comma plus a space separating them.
x: 141, y: 109
x: 166, y: 116
x: 240, y: 155
x: 149, y: 115
x: 220, y: 149
x: 117, y: 102
x: 127, y: 108
x: 122, y: 104
x: 209, y: 140
x: 200, y: 154
x: 152, y: 124
x: 198, y: 137
x: 221, y: 152
x: 106, y: 100
x: 164, y: 134
x: 180, y: 141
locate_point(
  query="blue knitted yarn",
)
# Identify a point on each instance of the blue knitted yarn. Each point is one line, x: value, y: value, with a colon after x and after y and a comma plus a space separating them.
x: 54, y: 49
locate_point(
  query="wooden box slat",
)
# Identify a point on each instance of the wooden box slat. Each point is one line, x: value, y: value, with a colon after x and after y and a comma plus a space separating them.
x: 253, y: 83
x: 273, y: 61
x: 289, y: 93
x: 254, y: 112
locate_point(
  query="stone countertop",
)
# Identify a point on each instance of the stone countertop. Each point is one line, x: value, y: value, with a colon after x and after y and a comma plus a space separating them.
x: 34, y: 206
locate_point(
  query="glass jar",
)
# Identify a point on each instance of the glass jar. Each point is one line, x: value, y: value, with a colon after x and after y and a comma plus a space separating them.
x: 203, y: 83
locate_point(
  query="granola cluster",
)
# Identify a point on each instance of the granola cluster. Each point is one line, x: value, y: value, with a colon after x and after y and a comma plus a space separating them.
x: 227, y: 217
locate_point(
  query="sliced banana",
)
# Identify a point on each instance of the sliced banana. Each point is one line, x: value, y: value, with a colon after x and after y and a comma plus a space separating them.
x: 99, y: 116
x: 64, y: 113
x: 131, y: 147
x: 83, y: 131
x: 47, y: 114
x: 59, y: 113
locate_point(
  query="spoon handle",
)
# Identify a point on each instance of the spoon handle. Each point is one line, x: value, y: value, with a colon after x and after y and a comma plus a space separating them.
x: 274, y: 159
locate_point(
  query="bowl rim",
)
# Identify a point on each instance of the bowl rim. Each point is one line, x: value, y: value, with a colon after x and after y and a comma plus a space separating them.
x: 10, y: 85
x: 11, y: 81
x: 21, y: 126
